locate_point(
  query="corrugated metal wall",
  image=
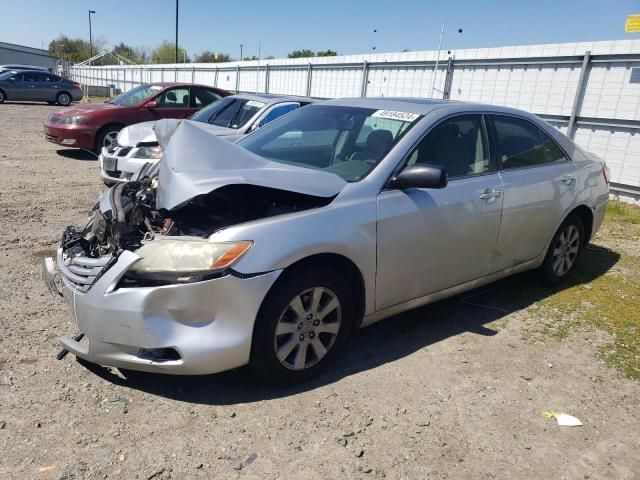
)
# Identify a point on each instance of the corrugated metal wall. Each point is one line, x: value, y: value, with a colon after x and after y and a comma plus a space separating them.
x: 543, y: 79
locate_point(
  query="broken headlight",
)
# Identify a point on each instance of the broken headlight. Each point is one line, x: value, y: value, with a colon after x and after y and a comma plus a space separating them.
x: 186, y: 260
x: 148, y: 153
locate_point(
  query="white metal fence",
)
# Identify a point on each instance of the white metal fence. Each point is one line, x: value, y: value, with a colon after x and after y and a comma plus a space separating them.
x: 591, y: 90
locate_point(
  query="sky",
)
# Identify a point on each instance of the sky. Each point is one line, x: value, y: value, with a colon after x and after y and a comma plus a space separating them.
x: 346, y: 26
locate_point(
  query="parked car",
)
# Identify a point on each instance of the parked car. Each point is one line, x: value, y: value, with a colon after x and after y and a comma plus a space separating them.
x: 270, y: 251
x: 231, y: 118
x: 38, y: 86
x: 96, y: 125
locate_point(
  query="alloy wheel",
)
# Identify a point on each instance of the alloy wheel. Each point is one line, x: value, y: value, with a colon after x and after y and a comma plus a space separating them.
x: 64, y: 99
x: 109, y: 140
x: 307, y: 328
x: 566, y: 250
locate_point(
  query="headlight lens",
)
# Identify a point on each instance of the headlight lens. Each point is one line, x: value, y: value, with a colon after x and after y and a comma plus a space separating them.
x: 151, y: 153
x: 72, y: 119
x: 188, y: 256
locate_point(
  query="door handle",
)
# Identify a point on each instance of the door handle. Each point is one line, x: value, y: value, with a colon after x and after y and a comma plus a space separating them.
x: 567, y: 179
x: 32, y: 86
x: 490, y: 194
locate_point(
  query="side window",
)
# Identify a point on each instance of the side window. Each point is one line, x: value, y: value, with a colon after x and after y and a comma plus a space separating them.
x: 201, y: 97
x: 17, y: 77
x: 174, y: 98
x: 276, y: 112
x: 552, y: 151
x: 519, y: 143
x: 43, y: 77
x: 457, y: 144
x: 28, y: 77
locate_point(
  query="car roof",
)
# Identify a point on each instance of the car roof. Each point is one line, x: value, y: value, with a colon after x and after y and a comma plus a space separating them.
x: 271, y: 98
x: 420, y: 106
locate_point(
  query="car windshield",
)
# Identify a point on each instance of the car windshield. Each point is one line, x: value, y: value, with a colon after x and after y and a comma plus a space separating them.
x: 230, y: 112
x: 347, y: 141
x: 136, y: 95
x: 6, y: 74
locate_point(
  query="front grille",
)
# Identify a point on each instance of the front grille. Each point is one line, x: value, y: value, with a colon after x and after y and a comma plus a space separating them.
x: 82, y: 271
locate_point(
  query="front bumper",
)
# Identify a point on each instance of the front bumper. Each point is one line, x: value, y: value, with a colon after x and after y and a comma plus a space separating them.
x: 209, y: 324
x: 119, y: 165
x: 73, y: 136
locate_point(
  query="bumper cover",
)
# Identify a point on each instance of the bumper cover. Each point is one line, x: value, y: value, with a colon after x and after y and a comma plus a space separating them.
x: 70, y: 135
x: 209, y: 324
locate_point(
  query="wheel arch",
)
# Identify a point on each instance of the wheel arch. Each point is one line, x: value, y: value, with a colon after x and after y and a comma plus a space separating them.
x: 586, y: 215
x: 340, y: 264
x: 4, y: 92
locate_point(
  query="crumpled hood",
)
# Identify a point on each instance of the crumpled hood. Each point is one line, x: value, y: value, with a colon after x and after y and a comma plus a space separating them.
x: 145, y: 132
x: 140, y: 132
x: 196, y: 162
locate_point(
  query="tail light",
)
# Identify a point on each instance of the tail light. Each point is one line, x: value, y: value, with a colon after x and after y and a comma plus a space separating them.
x: 605, y: 173
x: 76, y: 84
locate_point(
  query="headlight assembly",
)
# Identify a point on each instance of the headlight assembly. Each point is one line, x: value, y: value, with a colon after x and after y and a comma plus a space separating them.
x: 148, y: 153
x: 72, y: 120
x: 186, y: 260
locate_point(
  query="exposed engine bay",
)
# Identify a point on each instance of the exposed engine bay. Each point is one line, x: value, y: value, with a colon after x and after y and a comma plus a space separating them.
x: 133, y: 217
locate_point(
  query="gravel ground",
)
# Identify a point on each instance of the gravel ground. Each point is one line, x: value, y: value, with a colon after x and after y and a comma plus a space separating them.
x: 453, y: 390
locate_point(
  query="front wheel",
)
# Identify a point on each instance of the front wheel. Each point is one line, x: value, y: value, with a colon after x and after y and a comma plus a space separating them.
x: 302, y: 327
x: 2, y: 97
x: 564, y: 251
x: 107, y: 138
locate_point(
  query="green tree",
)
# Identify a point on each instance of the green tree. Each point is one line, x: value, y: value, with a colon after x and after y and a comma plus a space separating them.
x: 71, y: 49
x: 135, y: 55
x: 327, y: 53
x: 253, y: 57
x: 166, y: 53
x: 301, y: 53
x: 212, y: 57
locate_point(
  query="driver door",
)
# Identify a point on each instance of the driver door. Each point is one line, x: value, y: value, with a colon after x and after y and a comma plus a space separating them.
x: 171, y: 103
x: 433, y: 239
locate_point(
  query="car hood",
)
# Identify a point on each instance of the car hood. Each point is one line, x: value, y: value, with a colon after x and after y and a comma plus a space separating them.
x: 197, y: 162
x: 145, y: 132
x: 86, y: 108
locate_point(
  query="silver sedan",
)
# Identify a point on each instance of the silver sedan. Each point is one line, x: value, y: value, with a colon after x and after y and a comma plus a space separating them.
x: 335, y: 216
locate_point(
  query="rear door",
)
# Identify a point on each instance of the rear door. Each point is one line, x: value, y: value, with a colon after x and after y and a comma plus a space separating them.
x: 201, y: 97
x: 539, y: 189
x: 433, y: 239
x: 46, y: 87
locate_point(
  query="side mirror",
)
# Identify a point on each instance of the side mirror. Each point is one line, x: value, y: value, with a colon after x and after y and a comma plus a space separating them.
x: 151, y: 104
x: 420, y: 176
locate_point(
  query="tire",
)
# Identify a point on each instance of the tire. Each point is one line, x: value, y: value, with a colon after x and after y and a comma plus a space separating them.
x: 564, y: 251
x: 320, y: 339
x: 3, y: 97
x: 63, y: 99
x: 108, y: 132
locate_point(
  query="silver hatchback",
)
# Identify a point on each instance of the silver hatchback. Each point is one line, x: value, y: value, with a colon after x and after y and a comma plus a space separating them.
x: 269, y: 252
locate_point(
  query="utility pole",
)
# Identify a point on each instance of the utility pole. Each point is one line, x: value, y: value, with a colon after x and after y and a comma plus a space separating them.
x: 90, y: 35
x: 177, y: 3
x: 241, y: 45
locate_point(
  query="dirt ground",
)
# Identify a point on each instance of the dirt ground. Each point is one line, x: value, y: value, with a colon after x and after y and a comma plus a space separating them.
x: 453, y: 390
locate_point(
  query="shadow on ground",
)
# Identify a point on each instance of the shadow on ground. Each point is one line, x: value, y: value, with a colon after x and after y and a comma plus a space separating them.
x: 77, y: 154
x: 384, y: 342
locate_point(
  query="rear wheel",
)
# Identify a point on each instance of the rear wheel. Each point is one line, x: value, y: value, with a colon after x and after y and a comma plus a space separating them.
x: 564, y: 251
x: 302, y: 327
x: 63, y: 99
x: 107, y: 137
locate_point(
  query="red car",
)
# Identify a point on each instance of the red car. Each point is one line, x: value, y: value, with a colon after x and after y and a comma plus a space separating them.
x: 93, y: 126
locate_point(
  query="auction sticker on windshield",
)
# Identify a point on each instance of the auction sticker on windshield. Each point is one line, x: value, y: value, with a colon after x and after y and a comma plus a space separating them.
x: 395, y: 115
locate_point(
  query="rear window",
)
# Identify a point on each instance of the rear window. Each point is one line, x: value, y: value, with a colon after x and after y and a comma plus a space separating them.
x: 229, y: 112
